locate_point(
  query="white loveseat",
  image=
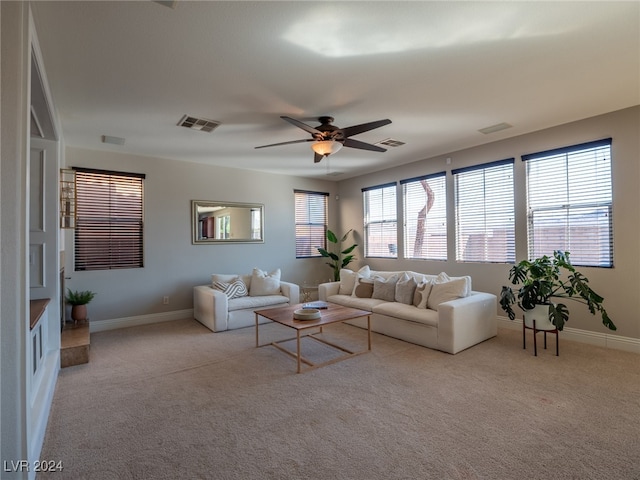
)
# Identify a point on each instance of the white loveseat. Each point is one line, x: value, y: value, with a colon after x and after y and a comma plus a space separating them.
x: 224, y: 305
x: 442, y: 313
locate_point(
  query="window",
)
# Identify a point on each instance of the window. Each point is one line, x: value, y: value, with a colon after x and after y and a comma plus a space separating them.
x: 256, y: 224
x: 425, y: 217
x: 485, y: 226
x: 569, y: 197
x: 380, y: 221
x: 224, y: 226
x: 109, y: 228
x: 311, y: 222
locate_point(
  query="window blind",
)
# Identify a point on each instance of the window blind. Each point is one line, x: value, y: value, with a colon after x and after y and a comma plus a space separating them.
x: 109, y: 228
x: 381, y: 221
x: 484, y: 203
x: 311, y: 222
x: 570, y: 199
x: 425, y: 217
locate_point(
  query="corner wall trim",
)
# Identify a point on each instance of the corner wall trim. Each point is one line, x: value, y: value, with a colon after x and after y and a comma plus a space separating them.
x: 604, y: 340
x: 125, y: 322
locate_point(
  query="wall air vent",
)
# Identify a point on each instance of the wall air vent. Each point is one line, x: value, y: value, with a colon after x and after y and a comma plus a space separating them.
x: 390, y: 142
x: 202, y: 124
x: 495, y: 128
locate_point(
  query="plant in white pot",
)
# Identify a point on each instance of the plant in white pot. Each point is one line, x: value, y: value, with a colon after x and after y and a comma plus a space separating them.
x: 540, y: 281
x: 78, y: 301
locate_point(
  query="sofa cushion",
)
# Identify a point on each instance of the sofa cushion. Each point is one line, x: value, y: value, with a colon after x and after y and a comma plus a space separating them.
x: 229, y: 278
x: 355, y: 302
x: 235, y: 289
x: 444, y: 278
x: 254, y: 303
x: 444, y: 291
x: 405, y: 287
x: 385, y: 289
x: 407, y: 312
x: 420, y: 277
x: 348, y: 279
x: 363, y: 287
x: 263, y: 283
x: 421, y: 294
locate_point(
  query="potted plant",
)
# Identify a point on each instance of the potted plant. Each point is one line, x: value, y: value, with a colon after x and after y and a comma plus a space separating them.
x: 79, y: 300
x: 540, y: 281
x: 338, y: 261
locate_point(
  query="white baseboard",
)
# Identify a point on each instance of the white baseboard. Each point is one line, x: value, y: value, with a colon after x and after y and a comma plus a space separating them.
x: 112, y: 324
x: 605, y: 340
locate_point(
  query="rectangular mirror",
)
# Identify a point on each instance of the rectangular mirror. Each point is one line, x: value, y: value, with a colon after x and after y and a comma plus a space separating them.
x: 227, y: 222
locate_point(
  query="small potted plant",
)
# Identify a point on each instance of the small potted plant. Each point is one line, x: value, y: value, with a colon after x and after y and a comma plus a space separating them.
x: 79, y: 300
x: 337, y: 260
x: 540, y: 281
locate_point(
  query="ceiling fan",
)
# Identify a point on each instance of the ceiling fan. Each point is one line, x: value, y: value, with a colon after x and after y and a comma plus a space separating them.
x: 329, y: 139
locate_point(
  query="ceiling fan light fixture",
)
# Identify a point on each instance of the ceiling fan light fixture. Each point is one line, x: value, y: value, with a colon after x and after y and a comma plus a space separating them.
x: 326, y: 147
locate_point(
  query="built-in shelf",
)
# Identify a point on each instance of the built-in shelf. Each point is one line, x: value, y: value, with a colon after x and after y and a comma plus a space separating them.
x: 36, y: 309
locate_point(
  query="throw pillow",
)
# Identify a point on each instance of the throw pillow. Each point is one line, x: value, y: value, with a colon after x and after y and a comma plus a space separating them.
x: 348, y: 279
x: 385, y: 289
x: 263, y: 283
x: 421, y: 294
x: 232, y: 290
x: 230, y: 278
x: 363, y: 287
x: 444, y: 278
x: 446, y: 291
x: 225, y: 278
x: 405, y: 288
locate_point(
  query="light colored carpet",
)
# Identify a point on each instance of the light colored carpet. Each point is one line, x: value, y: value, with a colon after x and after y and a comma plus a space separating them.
x: 176, y: 401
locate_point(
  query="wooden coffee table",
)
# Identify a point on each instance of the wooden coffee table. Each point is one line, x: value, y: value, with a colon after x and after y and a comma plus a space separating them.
x: 333, y: 314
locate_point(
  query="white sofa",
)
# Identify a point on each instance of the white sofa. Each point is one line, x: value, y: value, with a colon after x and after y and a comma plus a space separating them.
x: 465, y: 317
x: 220, y: 311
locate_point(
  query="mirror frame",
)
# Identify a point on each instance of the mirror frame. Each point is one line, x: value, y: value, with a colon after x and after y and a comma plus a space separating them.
x: 196, y: 239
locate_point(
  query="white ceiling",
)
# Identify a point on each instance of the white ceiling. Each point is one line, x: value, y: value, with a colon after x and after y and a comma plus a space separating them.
x: 439, y: 70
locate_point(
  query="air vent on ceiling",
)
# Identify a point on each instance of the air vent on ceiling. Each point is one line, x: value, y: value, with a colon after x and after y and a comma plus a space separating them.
x: 170, y: 4
x: 112, y: 140
x: 495, y: 128
x: 334, y: 174
x: 390, y: 142
x: 202, y: 124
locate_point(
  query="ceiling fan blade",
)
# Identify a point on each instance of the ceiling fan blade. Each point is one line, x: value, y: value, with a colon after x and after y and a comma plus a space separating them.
x: 365, y: 127
x: 299, y: 124
x: 317, y: 157
x: 350, y: 142
x: 286, y: 143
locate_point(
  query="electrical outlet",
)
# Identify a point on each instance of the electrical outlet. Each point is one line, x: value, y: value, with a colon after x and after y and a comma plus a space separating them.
x: 165, y: 300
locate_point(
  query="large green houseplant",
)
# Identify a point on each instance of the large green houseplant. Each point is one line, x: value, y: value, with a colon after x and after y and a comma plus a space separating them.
x: 339, y: 258
x: 541, y: 280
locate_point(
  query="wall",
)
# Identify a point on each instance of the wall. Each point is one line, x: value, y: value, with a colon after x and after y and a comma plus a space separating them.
x: 29, y: 219
x: 13, y: 286
x: 619, y: 285
x: 173, y: 265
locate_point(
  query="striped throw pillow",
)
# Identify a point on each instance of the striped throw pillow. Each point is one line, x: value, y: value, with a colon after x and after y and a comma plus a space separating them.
x: 232, y: 290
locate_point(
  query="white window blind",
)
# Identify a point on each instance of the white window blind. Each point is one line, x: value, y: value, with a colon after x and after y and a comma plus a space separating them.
x: 311, y: 222
x: 485, y: 226
x: 425, y: 217
x: 569, y: 195
x: 109, y: 226
x: 381, y: 221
